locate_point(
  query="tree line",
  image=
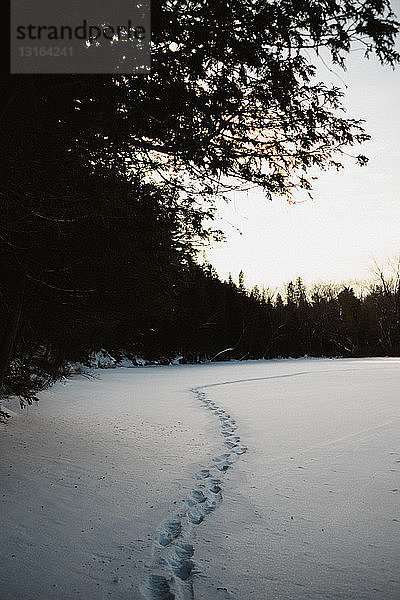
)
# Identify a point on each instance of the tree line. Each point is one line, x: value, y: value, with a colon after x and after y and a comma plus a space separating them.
x: 222, y: 320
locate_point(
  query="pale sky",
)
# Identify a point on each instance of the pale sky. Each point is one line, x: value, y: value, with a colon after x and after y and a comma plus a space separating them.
x: 355, y: 215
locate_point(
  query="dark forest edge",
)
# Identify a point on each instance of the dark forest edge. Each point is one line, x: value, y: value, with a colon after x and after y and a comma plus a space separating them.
x: 206, y: 319
x: 232, y: 322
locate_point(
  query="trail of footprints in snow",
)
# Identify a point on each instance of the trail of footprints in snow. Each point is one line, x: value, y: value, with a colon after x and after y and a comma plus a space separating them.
x: 172, y: 565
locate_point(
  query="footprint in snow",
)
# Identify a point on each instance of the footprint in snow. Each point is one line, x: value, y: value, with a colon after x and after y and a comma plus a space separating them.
x: 213, y: 486
x: 157, y: 588
x: 182, y: 568
x: 195, y: 516
x: 229, y: 444
x: 202, y: 474
x: 221, y: 457
x: 228, y: 429
x: 209, y: 506
x: 223, y: 466
x: 227, y: 425
x: 169, y: 532
x: 196, y: 497
x: 241, y: 450
x: 223, y: 594
x: 184, y: 551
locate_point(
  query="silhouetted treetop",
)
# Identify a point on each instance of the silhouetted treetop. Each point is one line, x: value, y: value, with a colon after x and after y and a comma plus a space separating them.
x: 228, y: 30
x: 234, y: 92
x: 232, y: 95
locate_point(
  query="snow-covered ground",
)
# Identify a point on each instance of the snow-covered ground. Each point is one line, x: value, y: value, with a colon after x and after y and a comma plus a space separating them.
x: 138, y: 484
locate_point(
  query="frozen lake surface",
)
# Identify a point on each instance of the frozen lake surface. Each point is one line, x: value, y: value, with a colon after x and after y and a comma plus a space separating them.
x: 243, y: 481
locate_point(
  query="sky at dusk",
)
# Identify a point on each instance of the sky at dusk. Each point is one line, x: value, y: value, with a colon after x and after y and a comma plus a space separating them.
x: 354, y: 218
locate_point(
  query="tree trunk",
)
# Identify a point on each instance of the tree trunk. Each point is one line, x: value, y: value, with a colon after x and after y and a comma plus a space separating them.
x: 10, y: 334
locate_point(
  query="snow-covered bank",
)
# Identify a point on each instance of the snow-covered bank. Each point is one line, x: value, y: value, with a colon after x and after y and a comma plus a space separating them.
x: 102, y: 484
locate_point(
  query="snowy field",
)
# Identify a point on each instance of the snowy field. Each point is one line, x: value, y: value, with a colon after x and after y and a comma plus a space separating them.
x: 137, y: 485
